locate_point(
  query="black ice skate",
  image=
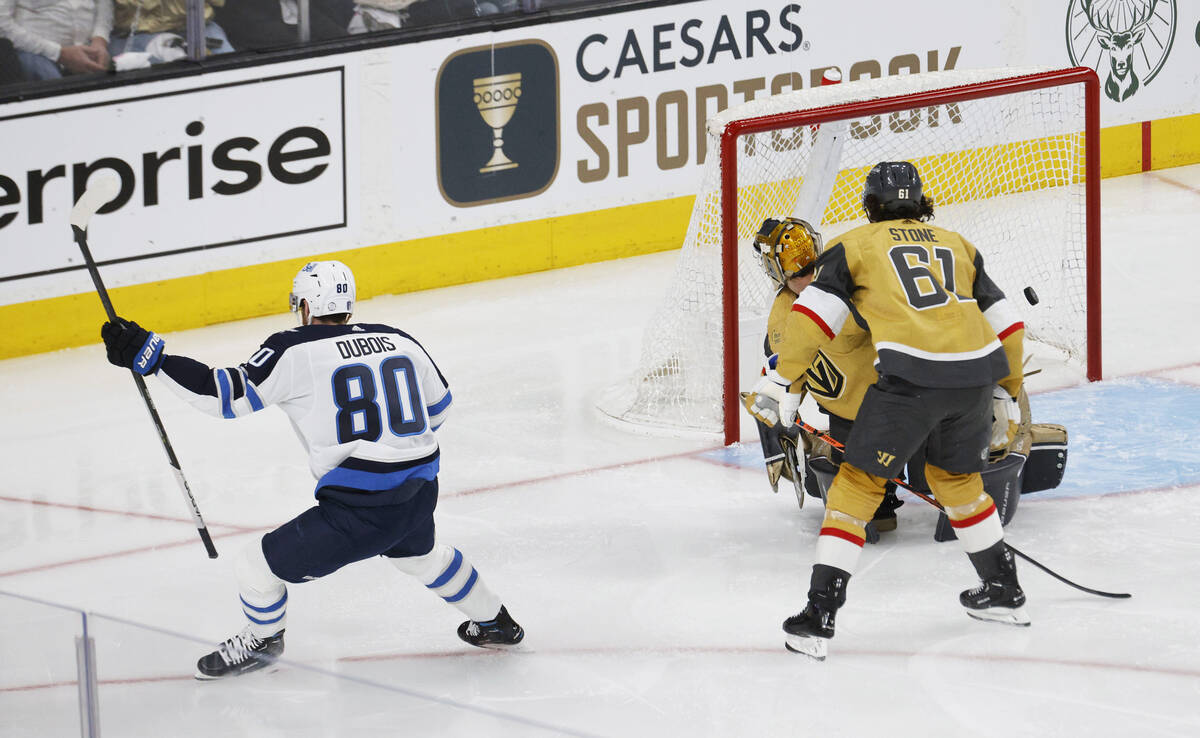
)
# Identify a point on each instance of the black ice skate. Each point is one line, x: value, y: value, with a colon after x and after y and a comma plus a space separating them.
x: 499, y: 633
x: 242, y: 654
x: 809, y: 632
x: 996, y: 600
x: 998, y: 597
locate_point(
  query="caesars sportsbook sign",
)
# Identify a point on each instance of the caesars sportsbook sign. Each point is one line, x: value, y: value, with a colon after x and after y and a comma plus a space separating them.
x: 611, y: 109
x: 210, y: 165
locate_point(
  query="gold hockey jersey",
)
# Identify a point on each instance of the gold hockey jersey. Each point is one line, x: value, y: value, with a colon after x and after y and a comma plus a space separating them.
x: 840, y: 373
x: 934, y: 316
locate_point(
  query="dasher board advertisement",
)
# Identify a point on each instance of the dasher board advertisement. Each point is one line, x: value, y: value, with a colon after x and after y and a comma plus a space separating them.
x: 201, y: 167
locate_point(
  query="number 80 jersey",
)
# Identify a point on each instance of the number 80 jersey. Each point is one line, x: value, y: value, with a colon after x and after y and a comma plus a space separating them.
x: 365, y: 400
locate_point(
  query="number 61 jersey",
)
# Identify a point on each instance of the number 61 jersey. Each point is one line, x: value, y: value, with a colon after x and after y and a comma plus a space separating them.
x: 365, y: 400
x: 935, y: 317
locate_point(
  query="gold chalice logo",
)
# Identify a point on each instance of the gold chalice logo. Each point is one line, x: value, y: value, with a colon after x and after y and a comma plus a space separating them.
x: 496, y: 98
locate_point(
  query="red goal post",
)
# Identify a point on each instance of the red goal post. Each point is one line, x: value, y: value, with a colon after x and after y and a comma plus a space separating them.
x: 1010, y: 158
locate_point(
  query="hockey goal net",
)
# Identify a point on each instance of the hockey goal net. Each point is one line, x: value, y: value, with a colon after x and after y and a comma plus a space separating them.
x: 1008, y: 156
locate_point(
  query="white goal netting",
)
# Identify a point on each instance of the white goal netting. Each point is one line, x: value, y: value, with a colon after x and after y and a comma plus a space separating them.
x: 1005, y: 170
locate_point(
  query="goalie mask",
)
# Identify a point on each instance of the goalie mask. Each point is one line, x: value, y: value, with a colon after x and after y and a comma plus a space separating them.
x: 326, y: 286
x: 787, y: 248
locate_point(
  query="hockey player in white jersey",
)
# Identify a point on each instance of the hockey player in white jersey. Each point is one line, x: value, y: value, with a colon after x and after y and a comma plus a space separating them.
x: 365, y: 400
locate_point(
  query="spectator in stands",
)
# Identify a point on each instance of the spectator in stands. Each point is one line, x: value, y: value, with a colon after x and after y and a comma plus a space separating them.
x: 155, y: 30
x: 380, y: 15
x: 498, y: 7
x: 262, y: 24
x: 53, y: 38
x: 10, y: 66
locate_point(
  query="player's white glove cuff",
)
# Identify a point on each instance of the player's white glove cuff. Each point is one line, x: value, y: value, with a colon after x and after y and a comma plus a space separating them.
x: 789, y: 402
x: 789, y: 408
x: 769, y: 401
x: 771, y: 385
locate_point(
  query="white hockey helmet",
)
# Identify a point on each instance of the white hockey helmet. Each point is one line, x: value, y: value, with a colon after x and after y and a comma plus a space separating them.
x: 327, y: 287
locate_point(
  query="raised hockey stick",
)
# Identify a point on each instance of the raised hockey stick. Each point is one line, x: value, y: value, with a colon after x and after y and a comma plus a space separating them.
x: 96, y: 196
x: 901, y: 483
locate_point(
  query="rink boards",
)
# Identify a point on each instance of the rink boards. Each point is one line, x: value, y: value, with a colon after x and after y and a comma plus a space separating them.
x: 383, y: 156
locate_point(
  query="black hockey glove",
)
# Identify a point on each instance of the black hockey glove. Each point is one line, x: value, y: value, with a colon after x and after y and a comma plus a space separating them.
x: 132, y: 346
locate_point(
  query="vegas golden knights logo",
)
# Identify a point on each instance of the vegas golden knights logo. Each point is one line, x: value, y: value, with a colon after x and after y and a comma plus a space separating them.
x: 824, y: 379
x: 884, y: 458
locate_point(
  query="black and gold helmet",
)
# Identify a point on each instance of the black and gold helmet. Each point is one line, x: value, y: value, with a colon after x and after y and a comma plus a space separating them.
x: 893, y: 191
x: 787, y: 248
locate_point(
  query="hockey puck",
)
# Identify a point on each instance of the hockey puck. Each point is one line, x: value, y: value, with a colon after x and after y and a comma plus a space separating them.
x: 1031, y: 296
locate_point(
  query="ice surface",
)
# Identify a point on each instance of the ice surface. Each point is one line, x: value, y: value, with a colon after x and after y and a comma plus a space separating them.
x: 651, y: 574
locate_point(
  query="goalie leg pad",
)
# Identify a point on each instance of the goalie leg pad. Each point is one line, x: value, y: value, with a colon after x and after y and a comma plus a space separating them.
x: 793, y: 468
x: 1047, y: 458
x: 772, y: 452
x: 885, y: 516
x: 822, y: 473
x: 817, y: 447
x: 1002, y: 483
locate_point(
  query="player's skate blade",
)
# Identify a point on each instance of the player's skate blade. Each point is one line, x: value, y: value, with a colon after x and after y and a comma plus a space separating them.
x: 814, y: 647
x: 503, y: 632
x: 998, y: 599
x: 1007, y: 615
x: 809, y: 631
x: 242, y: 654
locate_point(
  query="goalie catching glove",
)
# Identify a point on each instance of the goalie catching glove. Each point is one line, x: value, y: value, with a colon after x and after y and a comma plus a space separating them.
x: 770, y: 402
x: 132, y: 346
x: 1006, y: 418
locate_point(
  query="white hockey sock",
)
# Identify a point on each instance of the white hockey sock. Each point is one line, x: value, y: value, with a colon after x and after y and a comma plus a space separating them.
x: 979, y: 531
x: 838, y: 547
x: 838, y: 552
x: 263, y: 595
x: 448, y: 573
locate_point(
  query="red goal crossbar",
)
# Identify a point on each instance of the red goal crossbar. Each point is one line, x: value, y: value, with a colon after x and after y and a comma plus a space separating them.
x: 729, y: 194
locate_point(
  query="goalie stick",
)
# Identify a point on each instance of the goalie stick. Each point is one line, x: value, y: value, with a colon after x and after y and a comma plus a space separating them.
x: 901, y: 483
x: 96, y: 196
